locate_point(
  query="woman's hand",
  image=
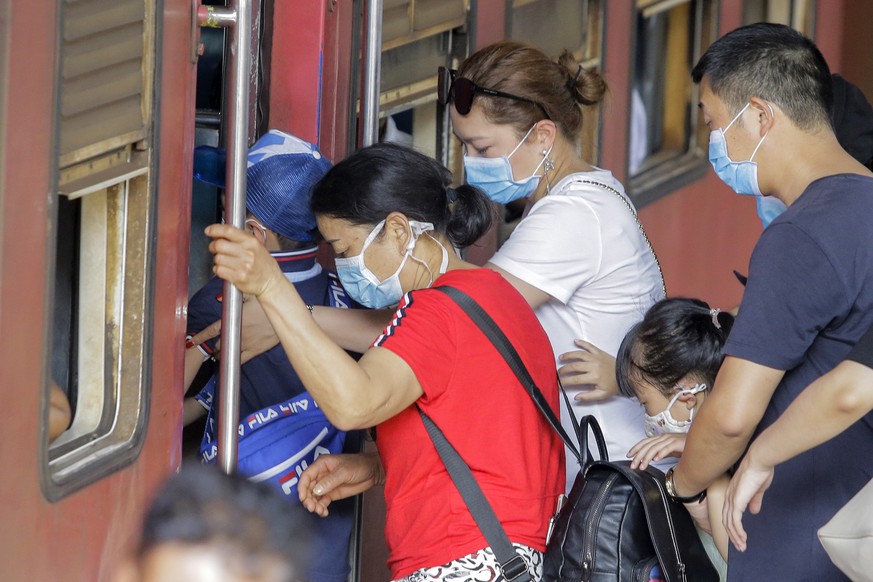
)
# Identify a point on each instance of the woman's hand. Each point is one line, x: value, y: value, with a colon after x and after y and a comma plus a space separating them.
x: 592, y: 370
x: 333, y: 477
x: 242, y: 260
x: 656, y: 448
x: 746, y: 489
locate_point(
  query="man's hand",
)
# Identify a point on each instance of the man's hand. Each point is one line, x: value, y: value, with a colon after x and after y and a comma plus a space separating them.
x: 746, y: 489
x: 333, y: 477
x: 591, y: 371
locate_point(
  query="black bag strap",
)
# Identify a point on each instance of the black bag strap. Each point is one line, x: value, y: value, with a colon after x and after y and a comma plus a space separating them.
x: 493, y: 332
x: 511, y: 563
x: 589, y: 422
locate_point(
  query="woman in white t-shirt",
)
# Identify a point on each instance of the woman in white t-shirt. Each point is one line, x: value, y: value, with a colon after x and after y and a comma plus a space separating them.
x: 579, y: 255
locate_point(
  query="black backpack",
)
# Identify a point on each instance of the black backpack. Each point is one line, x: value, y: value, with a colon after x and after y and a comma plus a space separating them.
x: 619, y: 523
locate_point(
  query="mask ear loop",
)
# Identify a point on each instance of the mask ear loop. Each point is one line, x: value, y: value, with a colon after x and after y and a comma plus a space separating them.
x: 763, y: 138
x: 735, y: 118
x: 416, y: 229
x: 698, y: 388
x: 521, y: 142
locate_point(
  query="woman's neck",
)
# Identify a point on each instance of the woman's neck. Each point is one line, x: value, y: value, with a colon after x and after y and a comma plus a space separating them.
x: 430, y: 251
x: 566, y: 161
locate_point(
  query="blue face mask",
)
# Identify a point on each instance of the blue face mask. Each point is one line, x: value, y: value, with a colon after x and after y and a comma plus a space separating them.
x: 769, y: 207
x: 494, y: 176
x: 742, y: 177
x: 364, y: 287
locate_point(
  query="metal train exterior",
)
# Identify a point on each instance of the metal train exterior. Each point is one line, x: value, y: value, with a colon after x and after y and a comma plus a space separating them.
x: 100, y: 110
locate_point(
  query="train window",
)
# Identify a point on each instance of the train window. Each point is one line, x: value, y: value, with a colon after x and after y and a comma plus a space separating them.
x: 799, y: 14
x: 555, y: 25
x: 666, y: 145
x: 104, y: 224
x: 418, y: 36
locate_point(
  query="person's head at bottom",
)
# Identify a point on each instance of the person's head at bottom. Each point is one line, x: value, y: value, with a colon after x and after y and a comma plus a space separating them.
x: 205, y: 526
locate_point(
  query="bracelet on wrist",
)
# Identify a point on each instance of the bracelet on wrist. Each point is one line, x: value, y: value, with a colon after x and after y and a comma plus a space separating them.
x: 203, y: 348
x: 671, y: 490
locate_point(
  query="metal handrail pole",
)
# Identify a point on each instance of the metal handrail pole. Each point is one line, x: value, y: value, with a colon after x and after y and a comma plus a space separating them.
x: 237, y: 18
x: 372, y: 74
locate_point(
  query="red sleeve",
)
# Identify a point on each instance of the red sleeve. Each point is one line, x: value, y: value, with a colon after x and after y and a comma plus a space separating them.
x: 423, y: 334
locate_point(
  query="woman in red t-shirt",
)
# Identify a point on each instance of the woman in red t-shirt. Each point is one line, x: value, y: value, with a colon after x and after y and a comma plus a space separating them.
x: 394, y: 221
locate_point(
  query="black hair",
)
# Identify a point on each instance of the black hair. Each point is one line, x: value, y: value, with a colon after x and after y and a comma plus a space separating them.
x: 773, y: 62
x: 383, y: 178
x: 253, y: 524
x: 852, y: 118
x: 676, y: 337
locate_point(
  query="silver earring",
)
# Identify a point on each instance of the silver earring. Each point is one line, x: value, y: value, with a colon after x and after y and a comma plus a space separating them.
x: 548, y: 164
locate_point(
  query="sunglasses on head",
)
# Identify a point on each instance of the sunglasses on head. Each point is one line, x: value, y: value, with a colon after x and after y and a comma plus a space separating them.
x: 461, y: 90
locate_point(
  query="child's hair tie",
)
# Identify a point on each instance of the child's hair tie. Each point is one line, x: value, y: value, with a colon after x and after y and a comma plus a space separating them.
x: 714, y: 313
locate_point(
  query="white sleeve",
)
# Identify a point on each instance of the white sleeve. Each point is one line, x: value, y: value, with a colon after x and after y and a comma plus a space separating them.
x: 557, y: 247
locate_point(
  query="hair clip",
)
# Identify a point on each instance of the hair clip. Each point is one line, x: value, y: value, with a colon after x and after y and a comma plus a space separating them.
x: 578, y: 72
x: 451, y: 195
x: 714, y: 313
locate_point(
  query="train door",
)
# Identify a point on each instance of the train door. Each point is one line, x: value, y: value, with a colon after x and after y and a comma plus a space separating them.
x: 96, y: 99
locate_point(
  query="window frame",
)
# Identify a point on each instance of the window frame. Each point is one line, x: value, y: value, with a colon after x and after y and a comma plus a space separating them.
x: 114, y: 187
x: 806, y: 27
x: 590, y: 54
x: 669, y: 172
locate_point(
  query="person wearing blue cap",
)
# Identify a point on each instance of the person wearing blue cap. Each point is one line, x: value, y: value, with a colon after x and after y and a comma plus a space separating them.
x: 282, y: 430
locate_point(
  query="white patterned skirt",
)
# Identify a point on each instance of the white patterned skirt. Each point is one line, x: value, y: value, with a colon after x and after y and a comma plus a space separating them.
x: 479, y: 566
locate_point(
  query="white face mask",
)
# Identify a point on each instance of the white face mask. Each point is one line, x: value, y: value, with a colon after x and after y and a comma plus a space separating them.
x: 664, y: 423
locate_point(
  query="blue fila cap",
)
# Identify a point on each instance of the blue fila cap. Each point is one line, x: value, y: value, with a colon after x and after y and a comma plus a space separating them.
x: 282, y: 170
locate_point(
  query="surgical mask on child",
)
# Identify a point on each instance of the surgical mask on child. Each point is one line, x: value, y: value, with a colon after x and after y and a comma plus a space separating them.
x: 664, y: 423
x: 364, y: 287
x: 494, y: 176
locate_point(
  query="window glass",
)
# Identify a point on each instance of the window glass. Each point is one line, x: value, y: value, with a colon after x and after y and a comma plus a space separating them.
x: 667, y: 145
x: 418, y: 36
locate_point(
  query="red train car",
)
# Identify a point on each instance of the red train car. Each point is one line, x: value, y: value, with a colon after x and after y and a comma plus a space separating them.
x: 101, y: 104
x: 97, y: 110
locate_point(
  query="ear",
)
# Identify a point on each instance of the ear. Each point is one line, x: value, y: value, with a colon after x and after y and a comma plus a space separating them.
x: 765, y: 114
x: 690, y: 400
x: 545, y: 134
x: 257, y: 230
x: 398, y: 231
